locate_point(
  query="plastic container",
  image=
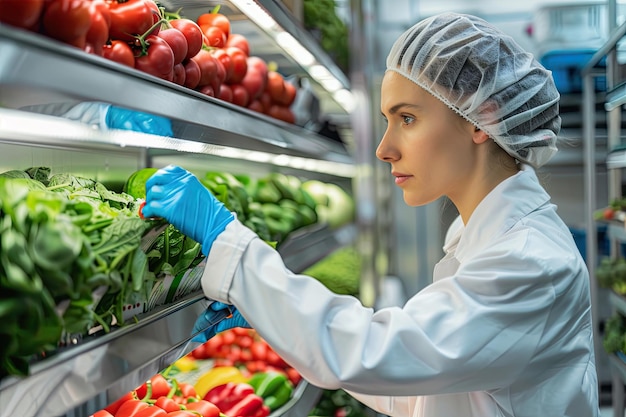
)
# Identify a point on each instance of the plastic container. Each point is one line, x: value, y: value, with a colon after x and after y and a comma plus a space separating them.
x: 566, y: 67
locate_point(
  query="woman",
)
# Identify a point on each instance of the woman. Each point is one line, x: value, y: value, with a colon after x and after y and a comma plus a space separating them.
x: 505, y: 328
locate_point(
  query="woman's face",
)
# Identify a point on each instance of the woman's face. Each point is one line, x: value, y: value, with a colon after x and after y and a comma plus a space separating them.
x: 428, y: 146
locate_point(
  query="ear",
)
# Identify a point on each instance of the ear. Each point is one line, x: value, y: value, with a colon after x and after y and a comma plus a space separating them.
x: 479, y: 136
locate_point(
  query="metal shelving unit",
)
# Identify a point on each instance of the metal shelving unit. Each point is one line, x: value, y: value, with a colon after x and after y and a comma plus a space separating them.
x: 121, y: 360
x: 37, y: 70
x: 614, y: 100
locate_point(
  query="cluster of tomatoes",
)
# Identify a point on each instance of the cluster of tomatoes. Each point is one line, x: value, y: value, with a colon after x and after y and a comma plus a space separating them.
x: 200, y: 54
x: 244, y: 348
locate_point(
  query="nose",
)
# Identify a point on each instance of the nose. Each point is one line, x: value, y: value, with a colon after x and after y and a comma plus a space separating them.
x: 385, y: 151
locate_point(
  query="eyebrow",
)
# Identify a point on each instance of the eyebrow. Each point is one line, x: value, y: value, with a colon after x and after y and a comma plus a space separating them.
x: 394, y: 109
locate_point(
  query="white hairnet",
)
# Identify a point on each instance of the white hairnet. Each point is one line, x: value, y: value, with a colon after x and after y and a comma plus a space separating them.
x: 486, y: 77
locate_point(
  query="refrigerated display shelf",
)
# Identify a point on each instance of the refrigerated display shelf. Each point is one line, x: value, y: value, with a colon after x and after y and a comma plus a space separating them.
x: 119, y: 361
x: 39, y: 71
x: 35, y: 70
x: 116, y: 362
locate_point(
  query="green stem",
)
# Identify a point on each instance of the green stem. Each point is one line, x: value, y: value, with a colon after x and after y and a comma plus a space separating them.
x: 140, y: 40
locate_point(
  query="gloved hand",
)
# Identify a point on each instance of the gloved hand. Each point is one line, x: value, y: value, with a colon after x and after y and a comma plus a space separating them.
x: 180, y: 198
x: 207, y: 320
x: 121, y: 118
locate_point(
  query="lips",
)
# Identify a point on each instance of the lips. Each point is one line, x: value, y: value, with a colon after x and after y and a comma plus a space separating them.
x: 400, y: 178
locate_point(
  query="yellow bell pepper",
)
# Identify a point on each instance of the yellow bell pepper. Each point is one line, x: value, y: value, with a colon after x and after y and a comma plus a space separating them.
x: 186, y: 364
x: 216, y: 377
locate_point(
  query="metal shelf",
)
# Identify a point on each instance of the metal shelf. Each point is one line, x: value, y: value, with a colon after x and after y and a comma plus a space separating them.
x: 36, y: 70
x: 123, y: 359
x: 115, y: 362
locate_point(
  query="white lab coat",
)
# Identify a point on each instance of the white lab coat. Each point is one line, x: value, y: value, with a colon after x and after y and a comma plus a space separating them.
x: 504, y: 329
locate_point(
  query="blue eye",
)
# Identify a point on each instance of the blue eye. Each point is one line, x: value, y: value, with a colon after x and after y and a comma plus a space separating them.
x: 407, y: 120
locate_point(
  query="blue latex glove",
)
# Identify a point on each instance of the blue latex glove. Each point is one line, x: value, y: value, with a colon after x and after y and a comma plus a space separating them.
x: 177, y: 196
x: 212, y: 315
x: 120, y: 118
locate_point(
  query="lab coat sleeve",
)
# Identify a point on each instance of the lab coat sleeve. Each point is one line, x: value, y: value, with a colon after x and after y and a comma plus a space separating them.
x: 475, y: 330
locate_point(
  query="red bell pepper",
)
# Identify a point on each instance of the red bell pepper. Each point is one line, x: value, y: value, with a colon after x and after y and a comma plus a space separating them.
x: 101, y: 413
x: 226, y: 395
x: 131, y: 408
x: 205, y: 408
x: 248, y: 406
x: 151, y: 411
x: 264, y: 411
x: 187, y: 390
x: 167, y: 404
x: 155, y: 387
x: 114, y: 406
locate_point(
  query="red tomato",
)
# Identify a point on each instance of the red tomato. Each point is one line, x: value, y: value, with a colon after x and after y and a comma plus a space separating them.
x: 179, y: 74
x: 246, y: 355
x: 289, y: 95
x: 130, y: 18
x: 20, y: 13
x: 293, y: 375
x: 222, y: 56
x: 130, y: 408
x: 244, y: 340
x: 223, y: 362
x: 177, y: 41
x: 213, y: 36
x: 240, y: 65
x: 200, y: 351
x: 266, y: 100
x: 192, y: 78
x: 226, y: 93
x: 182, y: 413
x: 228, y: 337
x: 98, y: 33
x: 255, y: 105
x: 119, y: 51
x: 215, y: 19
x: 192, y: 33
x: 259, y: 350
x: 259, y: 64
x: 67, y: 21
x: 150, y: 411
x: 236, y: 40
x: 213, y: 344
x: 272, y: 357
x: 158, y: 59
x: 221, y: 75
x: 205, y: 408
x: 283, y: 113
x: 208, y: 67
x: 156, y: 16
x: 207, y: 90
x: 254, y: 83
x: 241, y: 97
x: 256, y: 366
x: 275, y: 85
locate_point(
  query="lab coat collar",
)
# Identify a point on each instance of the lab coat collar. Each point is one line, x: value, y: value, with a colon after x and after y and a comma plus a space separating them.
x: 510, y: 201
